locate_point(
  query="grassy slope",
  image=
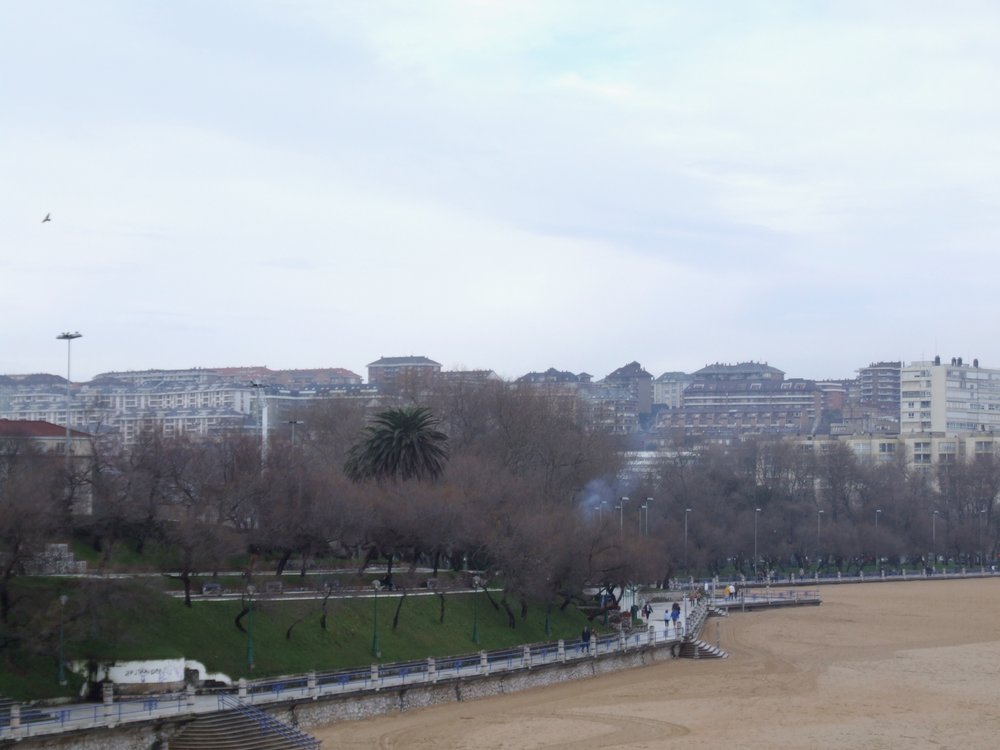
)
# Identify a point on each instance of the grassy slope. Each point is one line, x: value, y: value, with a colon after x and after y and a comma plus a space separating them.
x: 149, y: 624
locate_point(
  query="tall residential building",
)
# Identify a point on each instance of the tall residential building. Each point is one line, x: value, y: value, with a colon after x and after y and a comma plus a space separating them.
x: 668, y: 389
x: 949, y: 398
x: 879, y: 384
x: 389, y: 371
x: 724, y: 402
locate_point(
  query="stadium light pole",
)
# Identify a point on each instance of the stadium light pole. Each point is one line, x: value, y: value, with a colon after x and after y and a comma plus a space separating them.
x: 68, y: 338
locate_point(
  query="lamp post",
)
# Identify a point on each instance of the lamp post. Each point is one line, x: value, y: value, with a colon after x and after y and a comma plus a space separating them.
x: 878, y: 562
x: 649, y: 501
x: 621, y: 515
x: 376, y: 649
x: 819, y: 526
x: 756, y: 513
x: 250, y: 590
x: 982, y: 553
x: 68, y: 338
x: 475, y: 609
x: 62, y: 607
x: 262, y: 403
x: 294, y: 422
x: 686, y: 511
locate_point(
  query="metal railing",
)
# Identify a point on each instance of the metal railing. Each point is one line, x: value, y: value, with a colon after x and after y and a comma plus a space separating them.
x: 267, y: 724
x: 269, y: 691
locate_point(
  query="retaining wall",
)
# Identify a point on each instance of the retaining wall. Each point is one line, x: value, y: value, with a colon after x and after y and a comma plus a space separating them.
x: 308, y: 713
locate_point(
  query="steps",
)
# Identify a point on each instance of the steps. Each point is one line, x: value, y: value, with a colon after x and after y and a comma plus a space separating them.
x: 696, y: 649
x: 233, y: 730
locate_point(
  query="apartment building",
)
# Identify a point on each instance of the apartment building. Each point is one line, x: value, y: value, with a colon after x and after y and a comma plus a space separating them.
x: 949, y: 399
x: 725, y: 401
x: 198, y: 402
x: 55, y: 442
x: 668, y: 389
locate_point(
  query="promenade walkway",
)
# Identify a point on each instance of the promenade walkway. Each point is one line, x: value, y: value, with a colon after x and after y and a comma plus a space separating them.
x: 22, y: 722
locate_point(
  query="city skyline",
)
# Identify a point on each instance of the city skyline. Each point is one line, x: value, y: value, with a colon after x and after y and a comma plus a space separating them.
x: 510, y: 186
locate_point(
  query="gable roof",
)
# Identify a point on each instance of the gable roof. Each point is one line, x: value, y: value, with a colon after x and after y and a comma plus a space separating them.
x: 31, y: 428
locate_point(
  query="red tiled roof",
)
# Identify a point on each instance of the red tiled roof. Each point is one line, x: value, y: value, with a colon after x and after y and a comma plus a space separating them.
x: 27, y: 428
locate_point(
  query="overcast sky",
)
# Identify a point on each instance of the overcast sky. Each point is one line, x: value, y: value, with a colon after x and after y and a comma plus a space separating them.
x: 504, y: 185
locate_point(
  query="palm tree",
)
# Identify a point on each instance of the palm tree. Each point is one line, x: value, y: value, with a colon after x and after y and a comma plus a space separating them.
x: 399, y: 444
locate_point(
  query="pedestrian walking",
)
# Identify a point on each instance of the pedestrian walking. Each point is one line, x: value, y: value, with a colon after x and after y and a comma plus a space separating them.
x: 675, y: 616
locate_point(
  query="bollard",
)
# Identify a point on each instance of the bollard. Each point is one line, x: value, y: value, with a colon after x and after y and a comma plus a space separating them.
x: 311, y: 684
x: 651, y: 634
x: 561, y: 649
x: 527, y: 657
x: 375, y: 676
x: 108, y: 697
x: 189, y: 697
x: 15, y: 718
x: 484, y: 663
x: 242, y: 688
x: 621, y: 640
x: 432, y: 668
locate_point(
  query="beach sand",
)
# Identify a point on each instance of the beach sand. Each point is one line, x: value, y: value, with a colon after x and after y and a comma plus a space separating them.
x: 881, y: 665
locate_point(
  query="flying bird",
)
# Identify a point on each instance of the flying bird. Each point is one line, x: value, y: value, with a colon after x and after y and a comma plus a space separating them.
x: 48, y: 217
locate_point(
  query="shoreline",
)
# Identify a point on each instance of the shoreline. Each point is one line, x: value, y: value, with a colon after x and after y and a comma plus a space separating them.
x: 882, y: 666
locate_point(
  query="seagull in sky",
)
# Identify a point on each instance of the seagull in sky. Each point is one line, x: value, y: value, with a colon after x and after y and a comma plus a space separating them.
x: 48, y: 217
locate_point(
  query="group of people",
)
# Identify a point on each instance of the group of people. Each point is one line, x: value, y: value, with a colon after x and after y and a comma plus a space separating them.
x: 672, y: 615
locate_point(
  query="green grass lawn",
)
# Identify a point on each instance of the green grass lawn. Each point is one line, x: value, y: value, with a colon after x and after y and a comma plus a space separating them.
x: 127, y: 620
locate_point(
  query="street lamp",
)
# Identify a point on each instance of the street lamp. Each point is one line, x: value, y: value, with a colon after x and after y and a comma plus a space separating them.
x: 819, y: 519
x: 878, y: 562
x: 982, y: 553
x: 649, y: 500
x: 62, y: 607
x: 68, y: 338
x: 262, y: 403
x: 756, y: 513
x: 686, y: 511
x: 250, y: 590
x: 475, y: 609
x: 376, y: 649
x: 621, y: 515
x: 294, y: 422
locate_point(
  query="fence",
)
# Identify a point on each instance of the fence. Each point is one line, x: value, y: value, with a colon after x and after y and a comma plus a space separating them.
x: 22, y: 722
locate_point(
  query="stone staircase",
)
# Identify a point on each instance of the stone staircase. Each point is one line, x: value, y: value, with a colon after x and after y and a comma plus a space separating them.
x: 698, y: 649
x: 237, y: 730
x: 692, y: 647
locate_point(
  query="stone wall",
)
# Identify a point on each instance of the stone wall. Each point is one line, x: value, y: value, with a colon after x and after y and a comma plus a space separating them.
x: 308, y: 713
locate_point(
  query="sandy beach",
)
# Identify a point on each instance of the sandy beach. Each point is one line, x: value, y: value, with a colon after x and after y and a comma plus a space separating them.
x: 896, y: 665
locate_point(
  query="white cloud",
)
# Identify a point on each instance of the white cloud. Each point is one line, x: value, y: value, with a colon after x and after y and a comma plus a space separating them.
x: 504, y: 184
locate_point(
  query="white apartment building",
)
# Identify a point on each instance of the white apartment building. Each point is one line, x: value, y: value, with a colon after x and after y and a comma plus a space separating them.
x: 949, y: 398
